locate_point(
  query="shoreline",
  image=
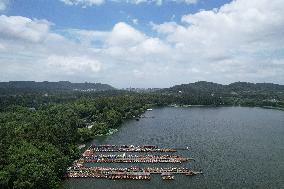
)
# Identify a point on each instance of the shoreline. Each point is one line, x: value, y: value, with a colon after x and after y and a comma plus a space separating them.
x: 113, y: 131
x: 200, y: 105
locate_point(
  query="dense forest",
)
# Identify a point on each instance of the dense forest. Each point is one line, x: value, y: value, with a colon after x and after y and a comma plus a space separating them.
x: 237, y: 94
x: 42, y: 124
x: 26, y: 87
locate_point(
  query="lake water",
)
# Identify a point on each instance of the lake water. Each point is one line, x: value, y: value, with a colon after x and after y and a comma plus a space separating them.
x: 235, y: 147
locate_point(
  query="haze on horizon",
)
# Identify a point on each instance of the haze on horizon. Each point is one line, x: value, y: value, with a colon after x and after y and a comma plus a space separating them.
x: 142, y: 43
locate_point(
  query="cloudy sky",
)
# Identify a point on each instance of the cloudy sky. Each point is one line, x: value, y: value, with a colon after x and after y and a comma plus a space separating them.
x: 142, y: 43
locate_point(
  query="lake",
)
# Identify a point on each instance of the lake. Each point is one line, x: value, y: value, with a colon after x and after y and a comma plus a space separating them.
x: 235, y: 147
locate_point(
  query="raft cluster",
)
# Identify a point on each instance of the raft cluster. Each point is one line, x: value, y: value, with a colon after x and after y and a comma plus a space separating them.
x: 100, y: 154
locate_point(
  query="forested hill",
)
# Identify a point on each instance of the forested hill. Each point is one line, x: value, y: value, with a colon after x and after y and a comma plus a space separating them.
x: 12, y: 87
x: 40, y: 132
x: 203, y: 87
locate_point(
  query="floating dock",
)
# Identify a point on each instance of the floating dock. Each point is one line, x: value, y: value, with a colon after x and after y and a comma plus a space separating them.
x: 128, y: 148
x: 135, y: 159
x: 135, y: 173
x: 100, y: 154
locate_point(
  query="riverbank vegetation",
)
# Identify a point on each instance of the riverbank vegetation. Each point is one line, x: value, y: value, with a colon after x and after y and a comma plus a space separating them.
x: 40, y: 129
x: 38, y: 144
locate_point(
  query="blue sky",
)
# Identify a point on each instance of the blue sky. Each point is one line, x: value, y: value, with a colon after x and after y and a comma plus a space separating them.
x: 104, y: 16
x: 142, y: 43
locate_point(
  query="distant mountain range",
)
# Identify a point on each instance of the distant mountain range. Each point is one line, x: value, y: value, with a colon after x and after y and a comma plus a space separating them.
x: 32, y: 86
x: 30, y: 93
x: 200, y: 87
x: 237, y: 87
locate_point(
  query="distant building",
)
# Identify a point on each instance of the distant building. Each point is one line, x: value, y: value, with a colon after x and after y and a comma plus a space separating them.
x: 141, y: 90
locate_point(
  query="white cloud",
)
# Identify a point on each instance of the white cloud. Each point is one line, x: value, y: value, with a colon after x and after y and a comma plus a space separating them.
x: 88, y: 3
x: 238, y: 27
x: 3, y: 5
x: 124, y: 35
x: 230, y: 41
x: 2, y: 47
x: 157, y: 2
x: 29, y: 50
x: 241, y: 40
x: 135, y: 21
x: 83, y: 3
x: 133, y: 1
x: 74, y: 64
x: 242, y: 22
x: 22, y: 28
x: 187, y: 1
x: 278, y: 62
x: 166, y: 28
x: 191, y: 1
x: 151, y: 46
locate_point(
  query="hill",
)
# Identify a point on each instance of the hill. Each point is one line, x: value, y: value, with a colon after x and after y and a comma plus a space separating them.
x: 238, y: 93
x: 14, y: 87
x: 203, y: 87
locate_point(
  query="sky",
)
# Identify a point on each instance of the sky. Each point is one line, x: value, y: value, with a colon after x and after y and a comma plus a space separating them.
x: 142, y: 43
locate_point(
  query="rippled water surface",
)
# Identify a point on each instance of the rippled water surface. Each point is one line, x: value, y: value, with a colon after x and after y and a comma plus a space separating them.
x: 235, y: 147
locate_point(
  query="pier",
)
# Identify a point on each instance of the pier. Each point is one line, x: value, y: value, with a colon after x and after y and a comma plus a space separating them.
x: 135, y: 173
x: 135, y: 159
x: 129, y: 148
x: 99, y: 154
